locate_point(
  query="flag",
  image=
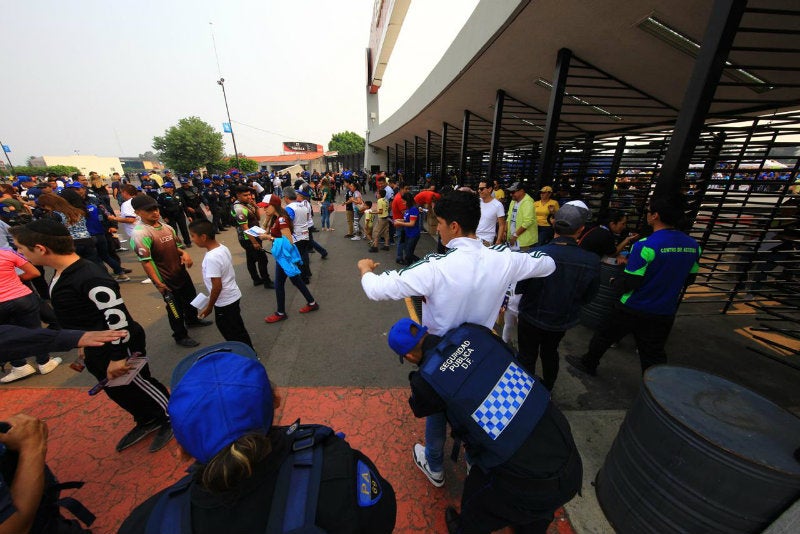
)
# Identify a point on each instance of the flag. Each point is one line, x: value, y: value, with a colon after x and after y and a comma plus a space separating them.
x: 6, y: 148
x: 226, y: 127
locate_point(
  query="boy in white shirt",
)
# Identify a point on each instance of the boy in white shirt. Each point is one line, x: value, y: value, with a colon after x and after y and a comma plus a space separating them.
x: 220, y: 280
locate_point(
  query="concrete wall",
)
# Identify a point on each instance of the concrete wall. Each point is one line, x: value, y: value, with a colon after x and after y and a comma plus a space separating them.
x: 102, y: 165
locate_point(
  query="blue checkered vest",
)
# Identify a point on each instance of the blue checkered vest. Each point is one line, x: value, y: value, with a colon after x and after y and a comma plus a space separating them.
x: 493, y: 404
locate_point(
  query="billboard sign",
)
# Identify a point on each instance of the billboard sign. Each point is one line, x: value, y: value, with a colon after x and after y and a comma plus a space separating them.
x: 296, y: 146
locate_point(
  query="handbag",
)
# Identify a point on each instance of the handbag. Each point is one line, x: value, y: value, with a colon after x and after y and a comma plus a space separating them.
x: 331, y: 208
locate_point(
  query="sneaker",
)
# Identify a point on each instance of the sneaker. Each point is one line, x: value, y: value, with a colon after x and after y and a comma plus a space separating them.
x: 186, y: 342
x: 199, y: 322
x: 309, y: 308
x: 122, y: 277
x: 137, y: 434
x: 49, y: 366
x: 258, y: 282
x: 147, y: 281
x: 127, y: 271
x: 162, y: 437
x: 121, y: 249
x: 578, y: 363
x: 436, y: 477
x: 356, y: 238
x: 18, y: 372
x: 268, y: 284
x: 373, y: 249
x: 325, y: 256
x: 275, y: 317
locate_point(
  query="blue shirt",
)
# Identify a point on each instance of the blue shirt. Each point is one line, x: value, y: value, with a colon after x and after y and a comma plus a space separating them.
x: 664, y: 259
x: 411, y: 231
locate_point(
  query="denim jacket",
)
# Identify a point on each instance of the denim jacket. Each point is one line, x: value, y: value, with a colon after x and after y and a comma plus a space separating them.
x: 553, y: 303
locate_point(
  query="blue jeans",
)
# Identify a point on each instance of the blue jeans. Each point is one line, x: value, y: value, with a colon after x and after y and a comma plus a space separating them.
x: 411, y: 244
x: 23, y: 311
x: 400, y: 239
x: 280, y: 290
x: 435, y: 434
x: 325, y: 215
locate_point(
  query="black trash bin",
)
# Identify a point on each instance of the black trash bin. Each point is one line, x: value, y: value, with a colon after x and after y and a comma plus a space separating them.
x: 699, y: 454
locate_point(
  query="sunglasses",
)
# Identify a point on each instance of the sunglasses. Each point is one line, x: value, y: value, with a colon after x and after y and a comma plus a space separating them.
x: 482, y: 188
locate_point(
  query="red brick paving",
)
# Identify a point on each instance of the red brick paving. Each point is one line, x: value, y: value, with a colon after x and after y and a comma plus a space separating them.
x: 84, y: 430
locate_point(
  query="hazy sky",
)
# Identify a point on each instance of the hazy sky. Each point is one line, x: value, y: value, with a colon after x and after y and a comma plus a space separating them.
x: 104, y: 77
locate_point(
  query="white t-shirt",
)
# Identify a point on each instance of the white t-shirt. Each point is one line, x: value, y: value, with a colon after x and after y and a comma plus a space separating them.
x: 126, y: 210
x: 300, y: 220
x: 218, y: 263
x: 490, y: 211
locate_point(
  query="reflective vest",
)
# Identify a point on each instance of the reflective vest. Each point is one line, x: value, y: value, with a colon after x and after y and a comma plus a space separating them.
x: 493, y: 404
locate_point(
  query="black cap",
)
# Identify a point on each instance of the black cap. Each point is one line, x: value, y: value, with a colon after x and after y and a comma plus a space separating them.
x: 49, y: 227
x: 143, y: 202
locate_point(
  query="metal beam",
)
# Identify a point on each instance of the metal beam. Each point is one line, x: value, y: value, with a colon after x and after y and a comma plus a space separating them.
x: 462, y: 160
x: 612, y: 177
x: 428, y: 152
x: 396, y: 158
x: 415, y: 166
x: 726, y: 15
x: 497, y: 126
x: 553, y: 118
x: 405, y: 159
x: 388, y: 158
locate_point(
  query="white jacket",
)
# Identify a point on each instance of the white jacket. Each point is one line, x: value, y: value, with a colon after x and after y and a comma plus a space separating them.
x: 467, y: 284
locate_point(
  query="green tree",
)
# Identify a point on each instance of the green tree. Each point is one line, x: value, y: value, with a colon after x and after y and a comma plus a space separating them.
x: 149, y: 156
x: 246, y: 165
x: 190, y: 144
x: 347, y: 143
x: 25, y: 170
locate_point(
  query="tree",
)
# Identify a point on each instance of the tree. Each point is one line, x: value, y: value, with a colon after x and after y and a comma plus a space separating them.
x: 246, y: 165
x: 60, y: 170
x: 347, y: 143
x: 149, y: 156
x: 190, y: 144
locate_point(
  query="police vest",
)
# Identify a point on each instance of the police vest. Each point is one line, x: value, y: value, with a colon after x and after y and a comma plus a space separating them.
x: 493, y: 404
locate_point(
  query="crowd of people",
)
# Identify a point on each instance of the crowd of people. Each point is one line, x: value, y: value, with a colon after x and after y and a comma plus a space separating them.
x: 503, y: 260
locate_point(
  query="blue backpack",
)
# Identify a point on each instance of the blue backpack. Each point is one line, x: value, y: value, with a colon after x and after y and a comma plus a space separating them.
x: 292, y: 512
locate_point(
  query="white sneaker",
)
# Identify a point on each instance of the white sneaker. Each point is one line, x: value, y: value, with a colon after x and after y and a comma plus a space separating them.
x: 49, y: 366
x: 18, y: 372
x: 436, y: 477
x: 122, y: 277
x: 356, y: 238
x: 147, y: 281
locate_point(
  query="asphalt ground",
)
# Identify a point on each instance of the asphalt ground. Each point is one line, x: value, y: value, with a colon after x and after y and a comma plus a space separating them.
x: 335, y: 367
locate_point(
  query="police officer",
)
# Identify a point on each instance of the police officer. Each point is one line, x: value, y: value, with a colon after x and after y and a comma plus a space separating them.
x: 172, y: 210
x: 245, y: 212
x: 191, y: 199
x: 222, y: 409
x: 149, y: 185
x: 523, y: 463
x: 212, y: 200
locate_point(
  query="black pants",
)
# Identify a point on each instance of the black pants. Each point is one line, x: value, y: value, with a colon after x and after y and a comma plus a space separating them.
x: 257, y: 262
x: 305, y: 269
x: 179, y: 221
x: 145, y: 398
x: 183, y: 295
x: 230, y: 324
x: 650, y: 332
x: 535, y: 343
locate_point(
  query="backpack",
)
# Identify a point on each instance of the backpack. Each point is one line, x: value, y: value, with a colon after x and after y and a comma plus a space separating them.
x: 48, y: 518
x: 292, y: 512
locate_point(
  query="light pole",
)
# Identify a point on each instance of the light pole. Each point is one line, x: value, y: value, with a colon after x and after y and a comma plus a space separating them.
x: 221, y: 83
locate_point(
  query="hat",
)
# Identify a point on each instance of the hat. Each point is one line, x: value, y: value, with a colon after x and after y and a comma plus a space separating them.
x: 206, y: 181
x: 168, y: 184
x: 569, y: 219
x: 183, y: 180
x: 143, y: 202
x: 427, y: 175
x: 270, y: 200
x: 75, y: 185
x: 167, y: 171
x: 219, y: 394
x: 49, y: 227
x: 582, y: 205
x: 401, y: 340
x: 546, y: 189
x: 516, y: 186
x: 216, y: 177
x: 305, y: 192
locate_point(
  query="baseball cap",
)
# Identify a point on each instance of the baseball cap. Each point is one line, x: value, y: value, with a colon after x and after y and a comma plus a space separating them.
x: 269, y: 200
x: 401, y: 340
x: 305, y: 192
x: 219, y: 394
x: 143, y: 202
x: 582, y: 205
x: 516, y: 186
x: 168, y: 184
x: 183, y: 180
x: 546, y: 189
x: 206, y: 181
x: 75, y: 185
x: 568, y: 219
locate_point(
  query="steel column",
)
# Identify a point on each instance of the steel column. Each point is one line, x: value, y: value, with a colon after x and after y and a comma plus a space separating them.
x: 416, y: 167
x: 405, y: 159
x: 497, y: 125
x: 553, y: 118
x: 462, y: 160
x: 723, y: 24
x: 428, y: 152
x: 396, y: 158
x: 612, y: 177
x: 388, y: 159
x: 443, y: 171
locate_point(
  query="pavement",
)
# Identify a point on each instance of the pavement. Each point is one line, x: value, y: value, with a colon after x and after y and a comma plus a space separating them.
x: 333, y: 366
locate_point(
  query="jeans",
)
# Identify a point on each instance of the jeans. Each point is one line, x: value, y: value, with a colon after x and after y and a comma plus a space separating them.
x: 400, y: 238
x: 86, y: 248
x: 435, y: 434
x: 534, y: 343
x: 230, y: 324
x: 303, y: 247
x: 23, y: 311
x: 411, y: 244
x: 325, y: 215
x: 280, y: 289
x: 650, y: 332
x: 102, y: 251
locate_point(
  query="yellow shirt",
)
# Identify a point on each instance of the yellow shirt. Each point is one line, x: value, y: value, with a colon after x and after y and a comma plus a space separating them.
x: 543, y: 210
x: 499, y: 194
x: 383, y: 208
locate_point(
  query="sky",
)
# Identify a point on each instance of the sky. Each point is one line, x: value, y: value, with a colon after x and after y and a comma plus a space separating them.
x: 105, y: 77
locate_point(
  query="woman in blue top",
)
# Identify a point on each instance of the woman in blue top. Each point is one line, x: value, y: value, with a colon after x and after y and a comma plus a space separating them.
x: 410, y: 225
x: 75, y: 221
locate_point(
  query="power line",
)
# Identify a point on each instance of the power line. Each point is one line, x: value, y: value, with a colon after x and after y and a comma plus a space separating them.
x: 287, y: 137
x: 214, y: 41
